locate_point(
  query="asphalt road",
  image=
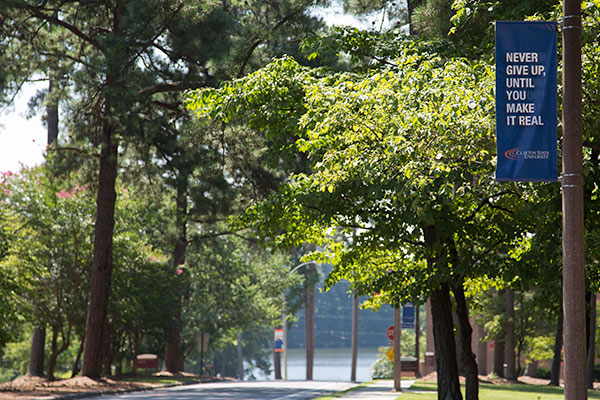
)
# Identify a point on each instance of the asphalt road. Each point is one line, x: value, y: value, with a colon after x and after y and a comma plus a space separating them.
x: 253, y: 390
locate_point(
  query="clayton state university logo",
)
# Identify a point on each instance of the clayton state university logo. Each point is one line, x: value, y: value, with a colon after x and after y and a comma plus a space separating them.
x: 518, y: 154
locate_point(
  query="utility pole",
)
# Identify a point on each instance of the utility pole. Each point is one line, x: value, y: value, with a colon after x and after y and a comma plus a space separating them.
x: 397, y: 352
x: 354, y: 335
x: 572, y: 200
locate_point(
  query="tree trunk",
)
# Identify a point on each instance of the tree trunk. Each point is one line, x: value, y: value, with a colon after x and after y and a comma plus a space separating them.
x: 172, y: 351
x: 499, y: 352
x: 557, y: 359
x: 51, y: 112
x: 592, y: 342
x: 173, y: 355
x: 445, y: 350
x: 499, y: 358
x: 443, y: 332
x: 240, y: 356
x: 36, y: 356
x: 102, y: 265
x: 531, y: 369
x: 481, y: 351
x: 354, y: 335
x: 309, y: 293
x: 417, y: 342
x: 57, y: 351
x: 509, y: 344
x: 465, y: 335
x: 75, y: 368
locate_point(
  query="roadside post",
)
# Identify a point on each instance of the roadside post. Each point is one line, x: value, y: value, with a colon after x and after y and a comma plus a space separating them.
x: 202, y: 346
x: 572, y: 200
x: 397, y: 354
x: 526, y: 119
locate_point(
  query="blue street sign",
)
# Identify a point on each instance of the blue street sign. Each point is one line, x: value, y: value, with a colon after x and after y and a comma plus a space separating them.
x: 408, y: 316
x: 526, y: 101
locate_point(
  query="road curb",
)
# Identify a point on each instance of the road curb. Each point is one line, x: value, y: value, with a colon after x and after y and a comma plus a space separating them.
x: 83, y: 395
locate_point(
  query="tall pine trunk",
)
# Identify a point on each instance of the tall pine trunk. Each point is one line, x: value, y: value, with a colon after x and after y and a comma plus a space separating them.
x: 102, y: 265
x: 174, y: 358
x: 36, y: 356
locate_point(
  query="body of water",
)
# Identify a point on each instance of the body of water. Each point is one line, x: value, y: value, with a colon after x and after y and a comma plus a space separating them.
x: 330, y: 364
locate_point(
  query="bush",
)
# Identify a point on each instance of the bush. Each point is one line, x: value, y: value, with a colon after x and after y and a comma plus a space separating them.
x: 383, y: 367
x: 543, y: 373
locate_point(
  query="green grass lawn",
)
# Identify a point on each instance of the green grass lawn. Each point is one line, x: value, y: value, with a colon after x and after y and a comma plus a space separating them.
x: 342, y: 393
x: 497, y: 392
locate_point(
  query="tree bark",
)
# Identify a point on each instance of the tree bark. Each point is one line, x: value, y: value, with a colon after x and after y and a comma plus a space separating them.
x: 240, y: 356
x: 55, y: 350
x: 36, y: 356
x: 103, y: 245
x: 417, y: 341
x: 174, y: 358
x: 499, y: 352
x: 443, y: 331
x: 445, y: 350
x: 52, y: 112
x: 557, y: 359
x: 481, y: 351
x: 465, y: 335
x: 75, y: 368
x: 531, y: 369
x: 509, y: 344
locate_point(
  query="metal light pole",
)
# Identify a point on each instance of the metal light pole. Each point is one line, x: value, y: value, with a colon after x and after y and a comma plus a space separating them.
x: 285, y: 375
x: 397, y: 353
x: 572, y: 196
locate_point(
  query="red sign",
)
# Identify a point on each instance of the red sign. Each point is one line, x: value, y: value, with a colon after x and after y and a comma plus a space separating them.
x: 146, y: 361
x: 390, y: 332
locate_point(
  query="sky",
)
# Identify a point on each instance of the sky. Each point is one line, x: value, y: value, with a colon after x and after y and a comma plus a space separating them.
x: 22, y: 140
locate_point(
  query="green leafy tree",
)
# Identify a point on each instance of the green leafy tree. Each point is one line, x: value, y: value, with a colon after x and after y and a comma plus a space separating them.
x: 402, y: 165
x: 51, y: 247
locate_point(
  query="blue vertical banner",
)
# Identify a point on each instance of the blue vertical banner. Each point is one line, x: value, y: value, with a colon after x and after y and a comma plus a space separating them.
x: 526, y: 101
x: 408, y: 316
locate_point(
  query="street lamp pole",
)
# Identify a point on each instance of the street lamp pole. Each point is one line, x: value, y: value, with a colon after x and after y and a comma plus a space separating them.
x: 572, y: 195
x: 285, y: 348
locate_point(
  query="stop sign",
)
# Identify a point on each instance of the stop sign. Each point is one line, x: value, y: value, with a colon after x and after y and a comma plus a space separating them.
x: 390, y: 332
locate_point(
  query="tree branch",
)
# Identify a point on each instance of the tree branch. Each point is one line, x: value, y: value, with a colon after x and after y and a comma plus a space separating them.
x: 75, y: 149
x: 257, y: 42
x: 35, y: 11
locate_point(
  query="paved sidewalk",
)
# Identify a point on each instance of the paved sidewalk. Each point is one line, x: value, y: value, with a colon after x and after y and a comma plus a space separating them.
x: 380, y: 390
